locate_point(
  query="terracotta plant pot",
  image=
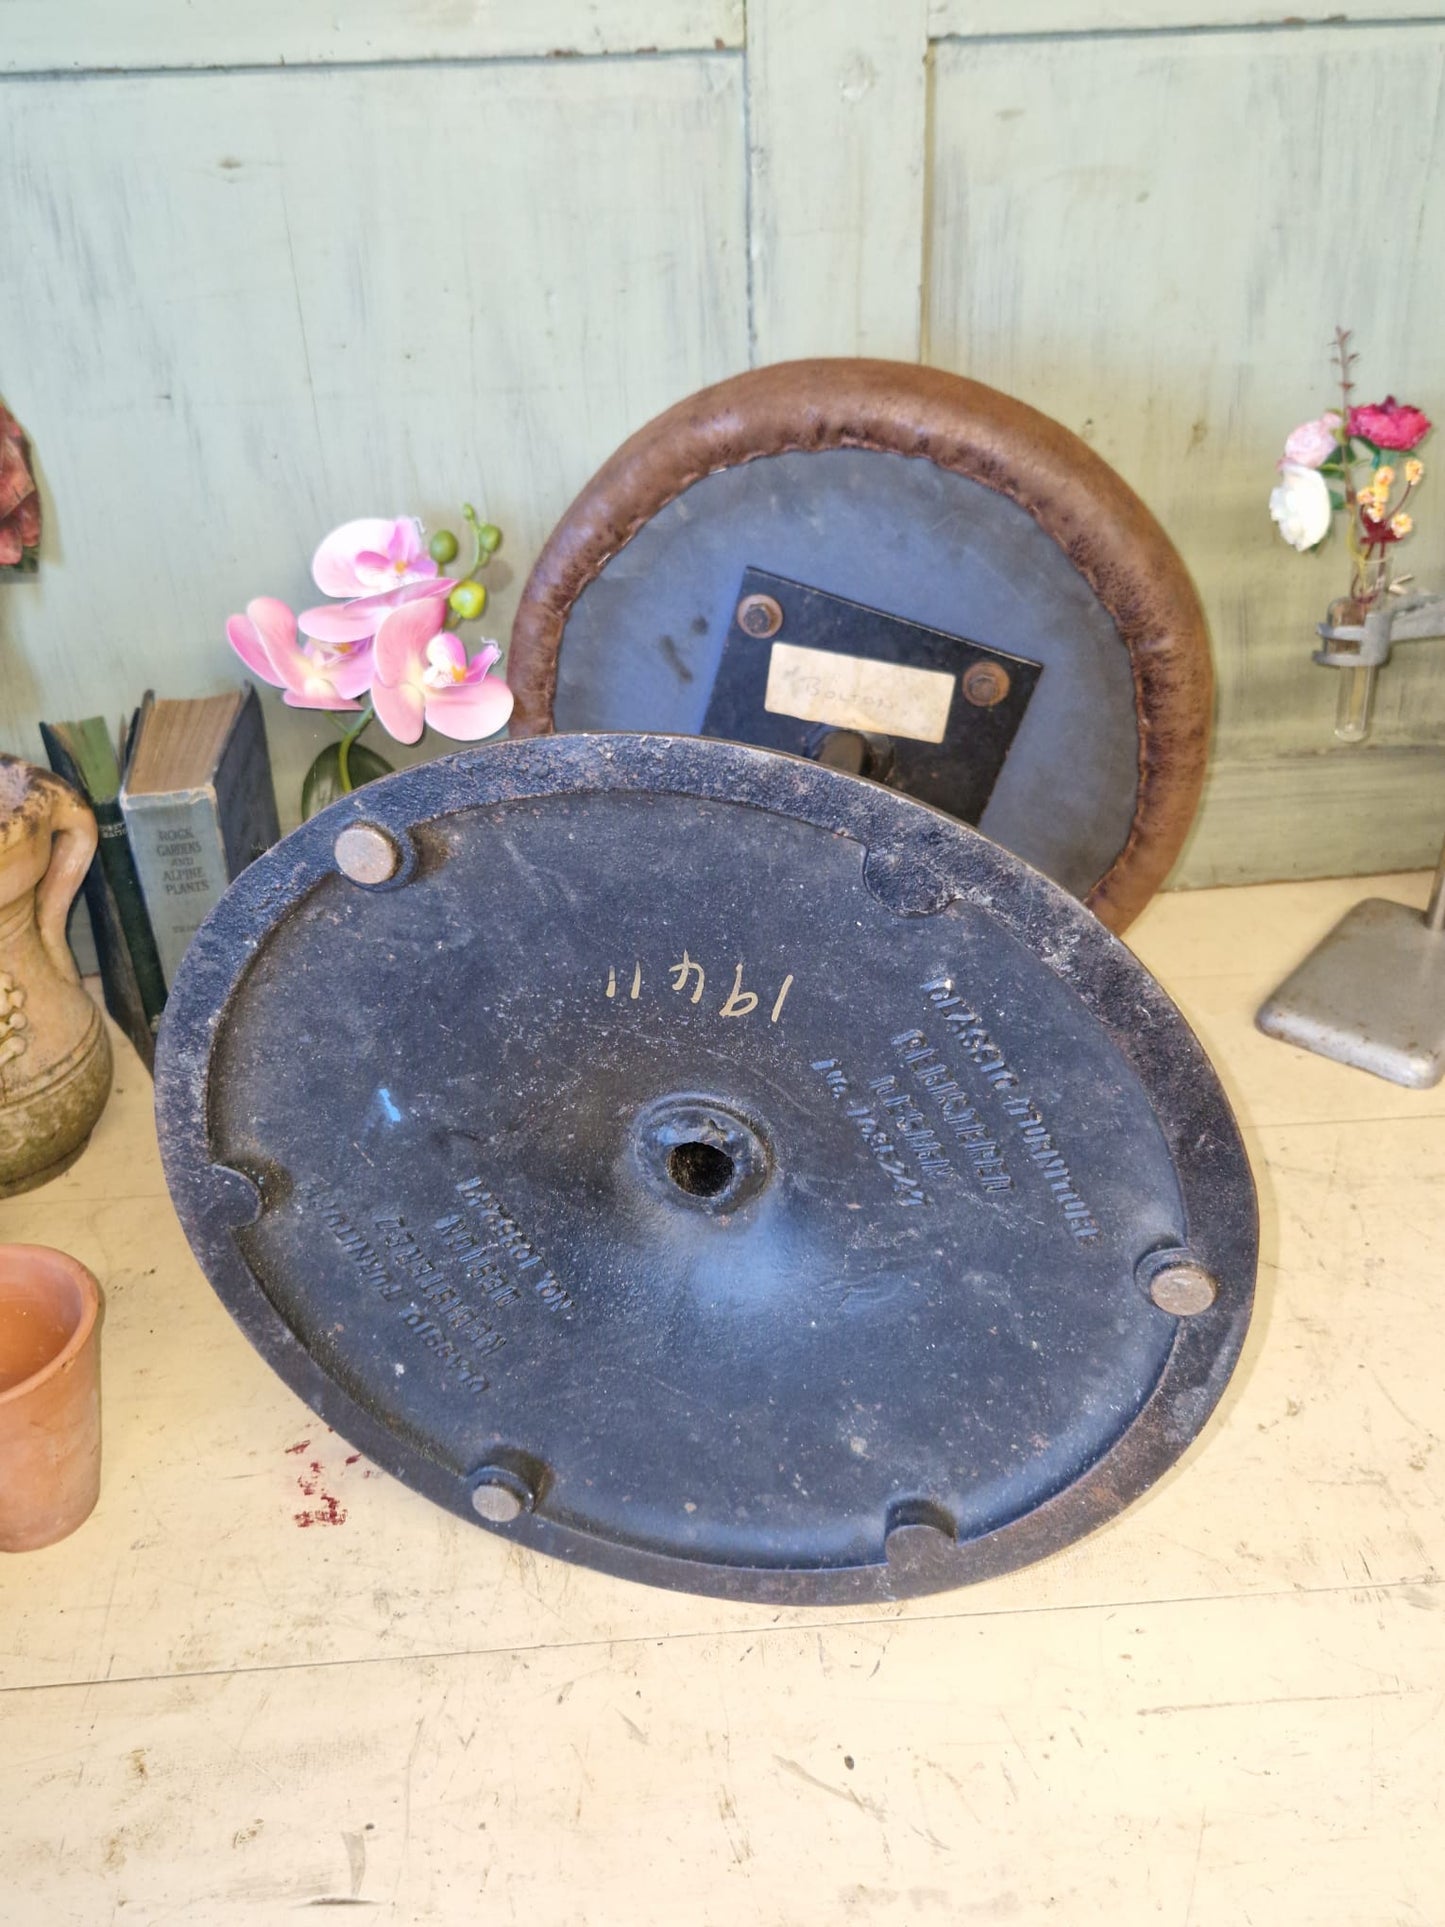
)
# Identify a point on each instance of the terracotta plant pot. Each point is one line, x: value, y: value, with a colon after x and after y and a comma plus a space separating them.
x: 49, y: 1396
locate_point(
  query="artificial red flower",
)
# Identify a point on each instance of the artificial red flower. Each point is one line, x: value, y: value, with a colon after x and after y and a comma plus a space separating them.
x: 19, y: 500
x: 1390, y: 424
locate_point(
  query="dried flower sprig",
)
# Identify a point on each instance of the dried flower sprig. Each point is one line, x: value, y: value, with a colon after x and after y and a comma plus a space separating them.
x: 1341, y: 462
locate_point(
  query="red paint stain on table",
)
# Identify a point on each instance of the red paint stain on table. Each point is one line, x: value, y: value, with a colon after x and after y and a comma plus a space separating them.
x: 330, y: 1512
x: 328, y: 1509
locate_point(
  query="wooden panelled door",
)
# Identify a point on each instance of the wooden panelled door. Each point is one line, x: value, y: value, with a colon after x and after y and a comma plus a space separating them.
x: 266, y: 269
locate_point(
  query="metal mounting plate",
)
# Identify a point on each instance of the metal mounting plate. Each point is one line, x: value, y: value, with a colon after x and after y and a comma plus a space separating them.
x: 948, y: 708
x: 707, y: 1166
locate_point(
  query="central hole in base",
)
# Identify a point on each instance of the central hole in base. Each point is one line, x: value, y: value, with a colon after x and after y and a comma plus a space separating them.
x: 702, y: 1170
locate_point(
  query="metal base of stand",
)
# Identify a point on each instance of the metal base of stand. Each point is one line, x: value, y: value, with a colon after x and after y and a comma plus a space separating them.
x: 1371, y: 995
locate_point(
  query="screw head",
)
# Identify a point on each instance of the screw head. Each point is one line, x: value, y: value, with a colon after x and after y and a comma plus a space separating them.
x: 498, y: 1496
x: 366, y: 854
x: 1183, y: 1290
x: 759, y: 615
x: 986, y: 683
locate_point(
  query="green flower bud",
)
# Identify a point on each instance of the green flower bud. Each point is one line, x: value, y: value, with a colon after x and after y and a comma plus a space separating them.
x: 443, y: 547
x: 467, y: 600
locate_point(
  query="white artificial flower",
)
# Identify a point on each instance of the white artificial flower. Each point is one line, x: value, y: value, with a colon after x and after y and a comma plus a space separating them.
x: 1301, y: 505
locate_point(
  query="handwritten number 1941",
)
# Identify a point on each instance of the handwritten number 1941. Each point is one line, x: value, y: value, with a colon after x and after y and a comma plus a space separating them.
x: 688, y: 979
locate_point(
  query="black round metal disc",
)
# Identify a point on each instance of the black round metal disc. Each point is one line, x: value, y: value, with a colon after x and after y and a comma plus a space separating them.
x: 707, y: 1166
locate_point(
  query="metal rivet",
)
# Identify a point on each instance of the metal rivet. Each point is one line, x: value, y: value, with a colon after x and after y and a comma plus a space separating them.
x: 759, y: 615
x: 1183, y: 1290
x: 986, y: 683
x: 366, y: 854
x: 495, y: 1497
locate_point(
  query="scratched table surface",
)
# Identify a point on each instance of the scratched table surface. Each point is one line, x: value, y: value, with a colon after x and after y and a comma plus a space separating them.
x: 265, y: 1678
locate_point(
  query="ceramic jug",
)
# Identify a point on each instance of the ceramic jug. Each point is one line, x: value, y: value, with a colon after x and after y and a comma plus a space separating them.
x: 54, y: 1051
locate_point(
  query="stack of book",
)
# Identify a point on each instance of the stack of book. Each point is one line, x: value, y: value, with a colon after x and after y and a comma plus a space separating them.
x: 182, y: 809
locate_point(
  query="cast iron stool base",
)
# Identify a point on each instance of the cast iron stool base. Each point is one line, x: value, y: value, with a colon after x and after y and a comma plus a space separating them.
x: 1372, y: 994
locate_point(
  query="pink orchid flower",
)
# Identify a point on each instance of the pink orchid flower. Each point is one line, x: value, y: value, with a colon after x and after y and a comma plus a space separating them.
x: 423, y: 676
x: 371, y: 555
x: 356, y: 621
x: 314, y: 677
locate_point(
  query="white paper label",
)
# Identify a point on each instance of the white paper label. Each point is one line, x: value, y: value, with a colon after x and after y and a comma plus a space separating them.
x: 856, y: 692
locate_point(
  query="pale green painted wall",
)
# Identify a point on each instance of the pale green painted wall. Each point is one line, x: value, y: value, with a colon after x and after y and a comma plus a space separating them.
x: 280, y: 269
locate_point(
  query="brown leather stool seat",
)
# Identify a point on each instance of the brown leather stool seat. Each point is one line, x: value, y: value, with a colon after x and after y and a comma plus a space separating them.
x: 881, y: 490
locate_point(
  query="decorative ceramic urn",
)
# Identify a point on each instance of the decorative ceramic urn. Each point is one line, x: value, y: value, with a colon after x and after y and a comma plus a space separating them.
x: 54, y: 1053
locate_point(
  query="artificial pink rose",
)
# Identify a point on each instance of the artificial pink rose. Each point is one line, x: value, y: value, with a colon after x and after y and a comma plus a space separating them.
x: 364, y: 557
x: 313, y: 677
x: 19, y: 500
x: 423, y: 676
x: 1390, y: 424
x: 1313, y: 442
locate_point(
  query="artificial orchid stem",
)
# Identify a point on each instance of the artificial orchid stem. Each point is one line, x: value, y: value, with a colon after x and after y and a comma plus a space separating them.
x: 343, y: 751
x: 480, y: 556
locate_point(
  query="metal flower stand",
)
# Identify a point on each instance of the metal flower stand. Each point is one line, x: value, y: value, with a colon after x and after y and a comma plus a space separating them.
x: 1372, y: 994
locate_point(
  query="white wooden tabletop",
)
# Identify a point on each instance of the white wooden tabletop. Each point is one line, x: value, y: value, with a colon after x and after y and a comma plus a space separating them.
x: 265, y: 1678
